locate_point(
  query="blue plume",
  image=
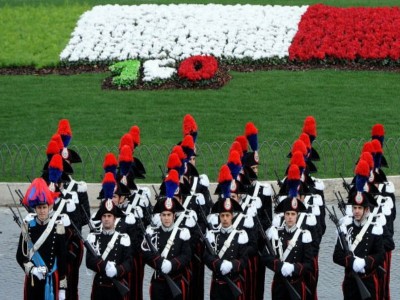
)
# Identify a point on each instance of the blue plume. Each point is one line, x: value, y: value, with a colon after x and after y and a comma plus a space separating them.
x: 253, y: 141
x: 170, y: 187
x: 360, y: 182
x: 293, y: 187
x: 54, y: 174
x: 108, y: 188
x: 235, y: 169
x: 124, y: 167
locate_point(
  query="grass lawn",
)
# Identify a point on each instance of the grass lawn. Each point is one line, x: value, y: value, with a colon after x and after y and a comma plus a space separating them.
x: 346, y: 104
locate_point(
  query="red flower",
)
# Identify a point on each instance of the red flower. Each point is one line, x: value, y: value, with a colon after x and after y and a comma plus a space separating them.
x: 347, y: 33
x: 198, y: 67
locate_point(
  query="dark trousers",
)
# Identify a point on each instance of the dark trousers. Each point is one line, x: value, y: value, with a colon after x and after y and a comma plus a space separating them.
x: 351, y: 291
x: 159, y: 290
x: 74, y: 261
x: 221, y: 291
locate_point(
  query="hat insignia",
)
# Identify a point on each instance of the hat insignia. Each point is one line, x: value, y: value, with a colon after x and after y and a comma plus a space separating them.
x: 64, y: 153
x: 359, y: 198
x: 256, y: 158
x: 294, y: 204
x: 168, y: 204
x: 227, y: 204
x: 233, y: 186
x: 109, y: 205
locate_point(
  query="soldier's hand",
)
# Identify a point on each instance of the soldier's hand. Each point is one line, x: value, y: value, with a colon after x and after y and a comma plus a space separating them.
x: 166, y: 266
x: 287, y: 269
x: 226, y: 267
x: 359, y: 265
x: 61, y: 295
x: 111, y: 270
x: 38, y: 272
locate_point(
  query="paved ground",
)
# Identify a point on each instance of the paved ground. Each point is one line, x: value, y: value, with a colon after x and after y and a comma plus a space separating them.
x: 331, y: 275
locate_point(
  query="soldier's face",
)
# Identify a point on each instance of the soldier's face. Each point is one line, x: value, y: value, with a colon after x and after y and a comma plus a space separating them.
x: 42, y: 211
x: 192, y: 160
x: 358, y: 212
x: 226, y: 219
x: 167, y: 218
x: 290, y: 218
x: 255, y: 169
x: 108, y: 221
x: 118, y: 199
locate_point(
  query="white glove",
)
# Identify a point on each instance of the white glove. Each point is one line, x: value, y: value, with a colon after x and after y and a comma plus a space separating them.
x: 71, y: 205
x: 359, y: 265
x: 111, y: 270
x: 200, y: 199
x: 166, y: 266
x: 226, y: 267
x: 287, y: 269
x: 39, y: 272
x: 61, y: 295
x: 143, y: 201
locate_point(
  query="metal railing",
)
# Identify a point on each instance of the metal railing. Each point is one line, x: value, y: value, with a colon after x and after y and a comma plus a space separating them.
x: 20, y: 162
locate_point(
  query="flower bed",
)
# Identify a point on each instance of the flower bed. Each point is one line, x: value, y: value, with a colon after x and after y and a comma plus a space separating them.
x: 347, y: 34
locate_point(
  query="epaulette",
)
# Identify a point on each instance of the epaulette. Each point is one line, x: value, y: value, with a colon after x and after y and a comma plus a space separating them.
x: 204, y: 180
x: 306, y: 237
x: 346, y: 220
x: 29, y: 217
x: 60, y: 229
x: 184, y: 234
x: 389, y: 187
x: 91, y: 238
x: 248, y: 221
x: 156, y: 220
x: 65, y: 220
x: 272, y: 233
x: 266, y: 189
x: 191, y: 219
x: 82, y: 187
x: 311, y: 220
x: 277, y: 220
x: 318, y: 184
x: 150, y: 230
x: 210, y: 235
x: 377, y: 229
x: 124, y: 239
x: 317, y: 200
x: 243, y: 238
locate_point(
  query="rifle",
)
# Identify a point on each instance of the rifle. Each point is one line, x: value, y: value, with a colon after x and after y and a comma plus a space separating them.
x: 275, y: 197
x: 365, y: 294
x: 236, y: 291
x: 91, y: 228
x: 162, y: 173
x: 122, y: 289
x: 175, y: 290
x: 271, y: 251
x: 278, y: 179
x: 15, y: 217
x: 345, y: 184
x: 21, y: 198
x: 341, y: 204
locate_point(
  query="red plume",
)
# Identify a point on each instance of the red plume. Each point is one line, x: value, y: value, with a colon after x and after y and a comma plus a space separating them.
x: 378, y: 130
x: 56, y: 162
x: 173, y: 176
x: 64, y: 128
x: 293, y: 172
x: 299, y: 145
x: 189, y: 125
x: 52, y: 148
x: 250, y: 129
x: 126, y: 139
x: 243, y: 142
x: 368, y: 147
x: 109, y: 178
x: 362, y: 168
x: 173, y: 161
x: 298, y: 159
x: 110, y: 160
x: 377, y: 146
x: 179, y: 151
x: 57, y: 138
x: 224, y: 174
x: 310, y: 126
x: 188, y: 142
x: 367, y: 156
x: 135, y: 133
x: 306, y: 139
x: 125, y: 154
x: 234, y: 157
x: 236, y: 147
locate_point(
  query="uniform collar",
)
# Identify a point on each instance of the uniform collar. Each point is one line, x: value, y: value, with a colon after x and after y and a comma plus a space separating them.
x: 108, y: 232
x: 227, y: 230
x: 42, y: 222
x: 167, y: 229
x: 291, y: 230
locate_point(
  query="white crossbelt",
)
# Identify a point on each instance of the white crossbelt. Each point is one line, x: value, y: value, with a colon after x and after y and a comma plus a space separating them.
x: 110, y: 245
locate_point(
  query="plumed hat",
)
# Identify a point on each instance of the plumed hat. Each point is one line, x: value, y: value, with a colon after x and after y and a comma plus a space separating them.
x: 110, y: 163
x: 189, y: 127
x: 378, y: 132
x: 135, y: 134
x: 188, y: 147
x: 38, y: 193
x: 108, y: 207
x: 234, y: 163
x: 242, y: 140
x: 64, y: 130
x: 359, y: 196
x: 290, y: 204
x: 226, y: 205
x: 310, y: 127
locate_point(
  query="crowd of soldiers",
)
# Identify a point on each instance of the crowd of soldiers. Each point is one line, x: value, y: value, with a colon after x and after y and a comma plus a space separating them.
x: 246, y: 229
